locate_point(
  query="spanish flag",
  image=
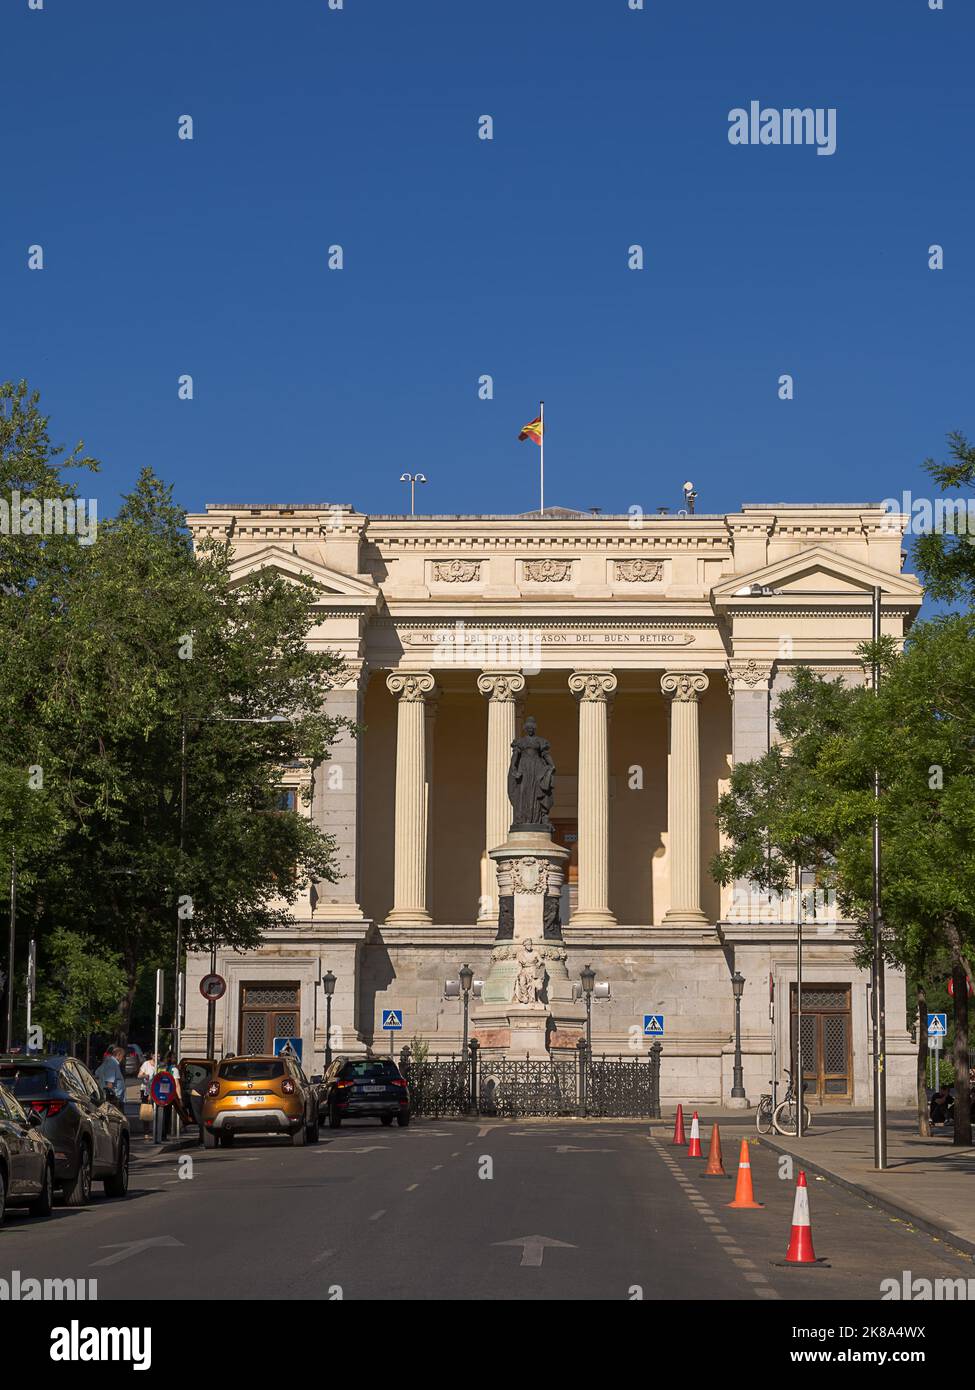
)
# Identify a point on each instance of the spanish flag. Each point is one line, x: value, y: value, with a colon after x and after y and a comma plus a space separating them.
x: 533, y: 430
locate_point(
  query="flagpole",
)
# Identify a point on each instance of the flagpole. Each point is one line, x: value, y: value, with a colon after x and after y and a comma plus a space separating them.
x: 541, y: 481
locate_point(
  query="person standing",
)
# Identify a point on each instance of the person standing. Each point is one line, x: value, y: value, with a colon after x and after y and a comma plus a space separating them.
x: 146, y: 1072
x: 111, y: 1077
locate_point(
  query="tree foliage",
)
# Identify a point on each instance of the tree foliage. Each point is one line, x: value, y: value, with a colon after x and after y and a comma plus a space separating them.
x: 110, y: 654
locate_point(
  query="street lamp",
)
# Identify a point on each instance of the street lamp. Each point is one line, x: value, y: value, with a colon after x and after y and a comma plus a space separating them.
x: 466, y: 976
x: 588, y: 977
x: 328, y: 985
x: 738, y: 988
x: 412, y: 479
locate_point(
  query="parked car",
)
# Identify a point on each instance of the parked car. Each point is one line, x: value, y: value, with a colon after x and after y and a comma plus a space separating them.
x: 134, y: 1057
x: 89, y: 1133
x: 26, y: 1159
x: 355, y: 1088
x: 260, y: 1095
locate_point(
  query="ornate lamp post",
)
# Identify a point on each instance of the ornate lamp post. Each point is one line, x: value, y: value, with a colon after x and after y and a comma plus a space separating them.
x: 466, y: 977
x: 738, y: 986
x: 328, y: 985
x: 588, y: 977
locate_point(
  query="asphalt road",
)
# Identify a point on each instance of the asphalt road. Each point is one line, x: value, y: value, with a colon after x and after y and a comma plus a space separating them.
x: 571, y: 1210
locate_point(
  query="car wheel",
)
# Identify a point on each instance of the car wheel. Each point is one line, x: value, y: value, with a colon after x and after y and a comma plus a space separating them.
x: 117, y: 1183
x: 226, y: 1138
x: 386, y: 1119
x: 44, y: 1204
x: 313, y: 1132
x: 334, y: 1118
x: 3, y: 1195
x: 300, y: 1136
x: 402, y: 1121
x: 210, y: 1140
x: 78, y: 1193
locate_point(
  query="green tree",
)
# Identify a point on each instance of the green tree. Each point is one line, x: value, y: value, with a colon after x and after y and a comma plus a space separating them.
x: 81, y: 990
x: 945, y: 558
x: 811, y: 800
x: 132, y: 662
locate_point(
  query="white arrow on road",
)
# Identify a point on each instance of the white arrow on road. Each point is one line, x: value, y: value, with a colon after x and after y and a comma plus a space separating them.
x: 575, y: 1149
x: 125, y: 1249
x: 533, y: 1248
x: 371, y: 1149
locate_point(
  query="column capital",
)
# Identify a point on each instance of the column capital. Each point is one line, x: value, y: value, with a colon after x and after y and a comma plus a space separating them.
x: 351, y: 673
x: 748, y: 674
x: 501, y: 686
x: 592, y: 685
x: 410, y: 686
x: 684, y: 686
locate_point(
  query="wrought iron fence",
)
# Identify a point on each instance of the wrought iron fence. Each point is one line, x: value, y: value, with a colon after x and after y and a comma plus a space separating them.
x: 568, y: 1083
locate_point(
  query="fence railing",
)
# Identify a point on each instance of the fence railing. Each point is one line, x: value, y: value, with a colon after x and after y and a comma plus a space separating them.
x: 570, y: 1082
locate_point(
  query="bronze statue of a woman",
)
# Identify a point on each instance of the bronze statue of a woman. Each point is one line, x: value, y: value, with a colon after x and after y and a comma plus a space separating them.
x: 531, y: 780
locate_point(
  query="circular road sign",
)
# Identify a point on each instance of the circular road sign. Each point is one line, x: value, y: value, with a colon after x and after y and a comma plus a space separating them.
x: 162, y: 1088
x: 213, y: 987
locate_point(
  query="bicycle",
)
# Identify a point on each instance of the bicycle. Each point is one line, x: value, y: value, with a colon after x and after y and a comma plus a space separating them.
x: 786, y: 1116
x: 764, y: 1115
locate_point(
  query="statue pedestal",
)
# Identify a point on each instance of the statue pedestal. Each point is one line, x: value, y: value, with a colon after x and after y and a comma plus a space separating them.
x: 526, y: 1003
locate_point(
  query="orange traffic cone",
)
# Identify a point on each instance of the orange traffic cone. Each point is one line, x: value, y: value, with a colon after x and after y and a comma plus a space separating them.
x: 800, y: 1244
x: 744, y: 1196
x: 694, y: 1147
x: 679, y: 1127
x: 715, y: 1168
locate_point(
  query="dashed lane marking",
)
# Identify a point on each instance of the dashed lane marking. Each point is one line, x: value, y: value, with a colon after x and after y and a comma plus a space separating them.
x: 759, y: 1285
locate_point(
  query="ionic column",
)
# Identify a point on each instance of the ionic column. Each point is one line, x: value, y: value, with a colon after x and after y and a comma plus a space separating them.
x: 593, y: 688
x: 502, y: 689
x: 410, y: 853
x: 684, y: 798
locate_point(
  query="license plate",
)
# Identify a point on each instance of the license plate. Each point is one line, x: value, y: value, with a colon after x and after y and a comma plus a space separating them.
x: 249, y: 1100
x: 372, y: 1089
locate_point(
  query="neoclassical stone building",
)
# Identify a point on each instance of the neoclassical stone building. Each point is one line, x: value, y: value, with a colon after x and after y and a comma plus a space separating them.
x: 651, y: 651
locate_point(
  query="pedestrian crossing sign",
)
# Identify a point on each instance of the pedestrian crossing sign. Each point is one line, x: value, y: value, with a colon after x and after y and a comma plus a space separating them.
x: 392, y: 1020
x: 937, y: 1025
x: 653, y: 1025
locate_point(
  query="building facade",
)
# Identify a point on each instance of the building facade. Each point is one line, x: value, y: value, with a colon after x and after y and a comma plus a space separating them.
x: 652, y: 652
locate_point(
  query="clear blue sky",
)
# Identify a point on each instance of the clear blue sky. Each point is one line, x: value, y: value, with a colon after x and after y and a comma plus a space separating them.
x: 507, y: 257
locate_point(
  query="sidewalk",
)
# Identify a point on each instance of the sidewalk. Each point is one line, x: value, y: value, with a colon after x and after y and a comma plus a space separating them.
x: 928, y: 1182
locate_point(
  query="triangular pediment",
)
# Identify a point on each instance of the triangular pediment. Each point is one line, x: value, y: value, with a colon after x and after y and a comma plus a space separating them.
x: 297, y: 567
x: 818, y: 571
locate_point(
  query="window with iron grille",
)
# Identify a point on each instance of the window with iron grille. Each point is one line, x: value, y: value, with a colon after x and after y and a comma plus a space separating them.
x: 268, y: 1011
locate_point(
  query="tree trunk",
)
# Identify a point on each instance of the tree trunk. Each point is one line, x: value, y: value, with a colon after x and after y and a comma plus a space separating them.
x: 128, y: 998
x: 959, y: 982
x: 923, y: 1113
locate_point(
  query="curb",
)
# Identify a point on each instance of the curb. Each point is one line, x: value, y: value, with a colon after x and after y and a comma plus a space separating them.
x: 893, y: 1208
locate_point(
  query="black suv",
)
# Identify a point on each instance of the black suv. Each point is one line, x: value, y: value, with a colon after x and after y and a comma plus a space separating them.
x: 354, y: 1088
x: 89, y: 1133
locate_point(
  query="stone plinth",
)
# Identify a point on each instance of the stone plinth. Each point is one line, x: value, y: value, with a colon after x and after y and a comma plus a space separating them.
x: 528, y: 994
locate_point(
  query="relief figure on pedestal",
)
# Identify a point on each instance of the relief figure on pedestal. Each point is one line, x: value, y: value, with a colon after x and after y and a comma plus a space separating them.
x: 531, y: 780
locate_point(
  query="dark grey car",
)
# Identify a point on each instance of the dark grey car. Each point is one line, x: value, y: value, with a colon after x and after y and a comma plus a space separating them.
x: 26, y: 1160
x: 356, y: 1088
x: 88, y: 1132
